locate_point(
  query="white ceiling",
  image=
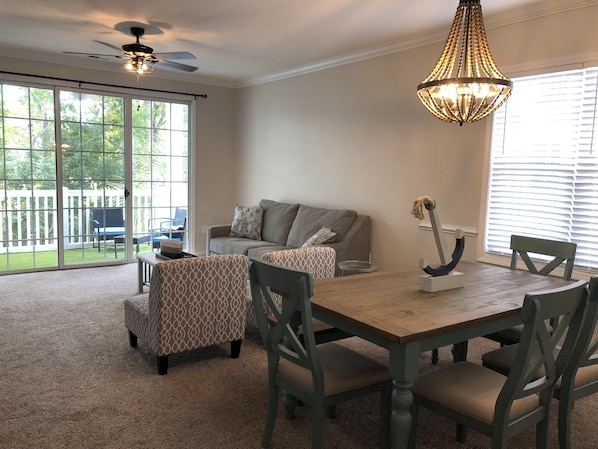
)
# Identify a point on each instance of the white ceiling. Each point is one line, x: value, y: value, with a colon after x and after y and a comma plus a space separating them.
x: 239, y: 42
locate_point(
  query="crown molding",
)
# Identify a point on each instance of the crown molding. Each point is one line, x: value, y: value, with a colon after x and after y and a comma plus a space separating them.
x: 517, y: 15
x: 349, y: 58
x: 571, y: 62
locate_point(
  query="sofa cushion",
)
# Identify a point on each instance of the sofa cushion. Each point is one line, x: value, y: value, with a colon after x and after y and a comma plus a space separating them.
x: 277, y: 221
x: 322, y: 236
x: 236, y: 245
x: 247, y: 222
x: 310, y: 219
x: 258, y: 253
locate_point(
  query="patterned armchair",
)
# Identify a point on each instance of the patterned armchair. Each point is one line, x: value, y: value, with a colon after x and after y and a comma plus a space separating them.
x: 192, y: 303
x: 320, y: 261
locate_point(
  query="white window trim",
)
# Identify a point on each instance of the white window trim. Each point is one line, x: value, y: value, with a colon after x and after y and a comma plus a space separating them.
x: 528, y: 69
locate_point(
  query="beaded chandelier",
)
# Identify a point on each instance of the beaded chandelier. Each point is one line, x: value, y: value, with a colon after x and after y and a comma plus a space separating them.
x: 465, y: 85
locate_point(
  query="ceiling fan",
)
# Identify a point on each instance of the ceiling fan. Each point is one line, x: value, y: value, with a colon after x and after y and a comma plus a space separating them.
x: 140, y: 59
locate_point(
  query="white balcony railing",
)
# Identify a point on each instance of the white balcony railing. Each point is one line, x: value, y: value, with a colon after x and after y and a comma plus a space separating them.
x: 29, y: 218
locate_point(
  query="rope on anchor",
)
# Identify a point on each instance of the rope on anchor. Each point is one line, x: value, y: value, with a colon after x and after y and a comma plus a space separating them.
x: 421, y: 203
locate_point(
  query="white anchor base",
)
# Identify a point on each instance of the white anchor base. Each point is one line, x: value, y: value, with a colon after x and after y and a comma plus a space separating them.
x: 452, y: 280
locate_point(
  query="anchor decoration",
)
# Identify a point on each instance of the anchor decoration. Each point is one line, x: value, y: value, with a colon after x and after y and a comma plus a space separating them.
x: 447, y: 265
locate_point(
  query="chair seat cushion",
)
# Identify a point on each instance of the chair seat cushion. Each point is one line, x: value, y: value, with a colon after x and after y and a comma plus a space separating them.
x: 110, y: 230
x: 343, y: 368
x: 512, y: 334
x: 469, y: 389
x: 502, y: 359
x: 585, y: 375
x: 236, y: 245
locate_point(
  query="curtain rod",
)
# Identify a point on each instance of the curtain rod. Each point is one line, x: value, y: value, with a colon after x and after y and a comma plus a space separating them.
x: 81, y: 83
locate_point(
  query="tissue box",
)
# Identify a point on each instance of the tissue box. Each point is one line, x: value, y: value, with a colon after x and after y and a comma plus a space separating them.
x: 171, y: 248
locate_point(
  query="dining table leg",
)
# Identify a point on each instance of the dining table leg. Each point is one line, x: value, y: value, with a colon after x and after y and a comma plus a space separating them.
x: 404, y: 368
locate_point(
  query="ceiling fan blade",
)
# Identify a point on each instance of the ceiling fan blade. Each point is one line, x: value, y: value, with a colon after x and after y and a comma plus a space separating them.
x: 93, y: 55
x: 175, y: 55
x: 114, y: 47
x: 176, y: 66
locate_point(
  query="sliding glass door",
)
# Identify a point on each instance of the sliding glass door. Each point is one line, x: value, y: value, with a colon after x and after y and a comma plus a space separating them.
x: 121, y: 185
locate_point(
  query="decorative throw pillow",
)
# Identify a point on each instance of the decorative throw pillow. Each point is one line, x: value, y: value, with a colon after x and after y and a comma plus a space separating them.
x: 247, y: 222
x: 323, y: 235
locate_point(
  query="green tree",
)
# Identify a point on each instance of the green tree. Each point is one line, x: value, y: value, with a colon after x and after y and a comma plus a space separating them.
x: 93, y: 141
x: 29, y: 145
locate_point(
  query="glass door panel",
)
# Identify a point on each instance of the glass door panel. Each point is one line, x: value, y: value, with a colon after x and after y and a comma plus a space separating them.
x: 160, y: 170
x: 28, y: 207
x: 93, y: 176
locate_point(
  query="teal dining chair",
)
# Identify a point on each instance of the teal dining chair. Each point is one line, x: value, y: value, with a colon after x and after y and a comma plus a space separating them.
x: 320, y: 261
x: 502, y: 406
x: 580, y: 377
x: 540, y: 256
x: 320, y: 376
x: 528, y: 249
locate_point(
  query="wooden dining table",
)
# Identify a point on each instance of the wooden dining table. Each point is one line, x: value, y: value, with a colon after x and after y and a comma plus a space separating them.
x: 389, y: 309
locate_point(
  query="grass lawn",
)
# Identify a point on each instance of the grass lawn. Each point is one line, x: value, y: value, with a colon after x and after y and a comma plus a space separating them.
x: 48, y: 259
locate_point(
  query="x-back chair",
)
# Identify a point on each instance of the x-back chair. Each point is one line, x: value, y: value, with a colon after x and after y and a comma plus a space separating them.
x: 318, y: 375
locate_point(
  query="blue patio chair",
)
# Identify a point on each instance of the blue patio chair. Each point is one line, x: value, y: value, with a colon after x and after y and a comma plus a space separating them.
x: 108, y: 223
x: 169, y: 228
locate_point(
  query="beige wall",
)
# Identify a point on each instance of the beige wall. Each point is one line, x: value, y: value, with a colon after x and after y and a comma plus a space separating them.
x: 216, y: 162
x: 356, y: 136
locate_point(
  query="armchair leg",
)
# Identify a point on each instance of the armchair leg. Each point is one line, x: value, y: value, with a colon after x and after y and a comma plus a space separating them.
x: 162, y: 364
x: 132, y: 339
x: 235, y: 349
x: 331, y: 411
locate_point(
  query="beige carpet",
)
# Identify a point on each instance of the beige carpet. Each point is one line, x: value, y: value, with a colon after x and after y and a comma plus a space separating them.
x: 70, y: 380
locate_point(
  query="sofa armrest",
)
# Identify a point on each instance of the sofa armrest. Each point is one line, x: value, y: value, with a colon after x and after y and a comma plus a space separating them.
x: 356, y: 244
x: 213, y: 231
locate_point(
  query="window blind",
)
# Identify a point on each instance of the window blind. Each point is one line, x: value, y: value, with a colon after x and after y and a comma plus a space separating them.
x: 543, y: 178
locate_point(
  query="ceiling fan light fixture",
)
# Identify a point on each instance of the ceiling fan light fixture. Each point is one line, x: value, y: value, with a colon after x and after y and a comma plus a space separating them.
x: 140, y: 59
x: 140, y: 65
x: 465, y: 85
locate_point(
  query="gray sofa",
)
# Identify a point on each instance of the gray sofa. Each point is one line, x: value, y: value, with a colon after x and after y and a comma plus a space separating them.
x: 287, y: 226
